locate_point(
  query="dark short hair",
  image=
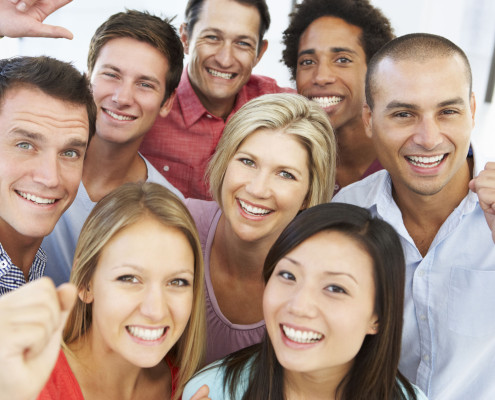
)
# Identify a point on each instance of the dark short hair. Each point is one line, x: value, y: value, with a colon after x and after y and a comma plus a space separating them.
x: 53, y: 77
x: 416, y: 47
x: 376, y: 28
x: 194, y: 7
x: 147, y: 28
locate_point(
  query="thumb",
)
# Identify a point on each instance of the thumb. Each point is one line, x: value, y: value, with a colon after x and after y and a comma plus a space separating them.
x: 67, y: 294
x: 202, y: 393
x: 52, y: 31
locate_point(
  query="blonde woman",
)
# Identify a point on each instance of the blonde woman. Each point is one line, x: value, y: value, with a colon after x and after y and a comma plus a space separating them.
x: 137, y: 328
x: 276, y: 157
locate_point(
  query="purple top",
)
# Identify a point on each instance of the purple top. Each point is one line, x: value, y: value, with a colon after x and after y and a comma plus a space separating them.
x: 222, y: 336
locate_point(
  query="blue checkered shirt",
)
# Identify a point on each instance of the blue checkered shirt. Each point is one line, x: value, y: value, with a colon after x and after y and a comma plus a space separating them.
x: 11, y: 277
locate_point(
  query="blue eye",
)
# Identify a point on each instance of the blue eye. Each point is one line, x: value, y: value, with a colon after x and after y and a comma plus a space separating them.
x: 287, y: 175
x: 70, y: 154
x: 247, y: 161
x: 24, y: 145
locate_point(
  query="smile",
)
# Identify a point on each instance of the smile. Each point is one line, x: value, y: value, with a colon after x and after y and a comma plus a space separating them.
x: 426, y: 162
x: 118, y: 116
x: 35, y: 199
x: 219, y: 74
x: 257, y: 211
x: 302, y: 336
x: 327, y: 101
x: 146, y: 334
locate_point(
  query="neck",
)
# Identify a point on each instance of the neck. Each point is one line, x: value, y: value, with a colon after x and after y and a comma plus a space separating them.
x: 109, y: 165
x: 355, y: 153
x: 423, y: 215
x: 21, y: 249
x: 318, y: 385
x: 216, y: 107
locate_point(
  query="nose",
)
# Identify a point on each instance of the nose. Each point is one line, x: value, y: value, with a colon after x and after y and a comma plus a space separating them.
x: 428, y: 134
x: 324, y: 74
x: 259, y: 185
x: 47, y: 170
x: 154, y: 303
x: 224, y: 56
x: 123, y: 94
x: 302, y: 303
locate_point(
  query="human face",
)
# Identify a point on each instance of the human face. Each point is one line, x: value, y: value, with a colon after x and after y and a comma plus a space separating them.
x: 421, y: 123
x: 141, y: 299
x: 224, y: 47
x: 265, y: 185
x: 331, y: 69
x: 42, y: 145
x: 319, y: 305
x: 128, y: 82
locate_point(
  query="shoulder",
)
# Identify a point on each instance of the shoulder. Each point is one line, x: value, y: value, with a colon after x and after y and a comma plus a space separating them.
x: 366, y: 192
x: 213, y: 376
x: 154, y: 176
x: 203, y: 211
x: 419, y: 394
x: 62, y: 384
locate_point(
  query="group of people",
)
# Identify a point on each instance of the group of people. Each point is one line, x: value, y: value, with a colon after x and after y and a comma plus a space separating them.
x: 191, y: 210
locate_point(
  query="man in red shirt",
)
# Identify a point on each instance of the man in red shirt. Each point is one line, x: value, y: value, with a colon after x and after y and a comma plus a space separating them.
x: 223, y: 50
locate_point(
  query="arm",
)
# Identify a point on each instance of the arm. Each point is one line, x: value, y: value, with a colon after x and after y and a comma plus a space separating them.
x: 484, y: 186
x: 30, y: 333
x: 20, y: 18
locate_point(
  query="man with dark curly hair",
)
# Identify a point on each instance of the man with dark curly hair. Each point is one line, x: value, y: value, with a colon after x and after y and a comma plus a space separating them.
x: 327, y: 48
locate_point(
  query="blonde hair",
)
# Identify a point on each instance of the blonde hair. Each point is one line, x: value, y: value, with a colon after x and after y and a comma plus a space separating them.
x: 294, y: 115
x: 121, y: 208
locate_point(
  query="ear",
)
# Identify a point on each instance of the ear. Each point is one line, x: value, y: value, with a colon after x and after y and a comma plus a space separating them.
x: 263, y: 47
x: 167, y: 106
x: 472, y: 105
x: 367, y: 116
x: 184, y: 37
x: 86, y: 294
x: 374, y: 325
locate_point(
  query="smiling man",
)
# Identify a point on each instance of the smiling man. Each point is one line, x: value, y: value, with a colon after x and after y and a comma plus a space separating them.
x: 419, y: 116
x: 46, y: 118
x: 327, y: 48
x: 135, y: 63
x: 224, y: 39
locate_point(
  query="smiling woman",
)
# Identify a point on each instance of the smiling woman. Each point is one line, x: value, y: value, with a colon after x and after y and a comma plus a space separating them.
x: 139, y: 317
x: 333, y: 310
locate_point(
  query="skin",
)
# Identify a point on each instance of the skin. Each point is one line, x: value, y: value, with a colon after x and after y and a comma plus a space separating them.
x: 331, y: 69
x: 222, y: 44
x: 42, y: 146
x: 423, y: 109
x: 155, y: 293
x: 129, y: 97
x: 325, y: 286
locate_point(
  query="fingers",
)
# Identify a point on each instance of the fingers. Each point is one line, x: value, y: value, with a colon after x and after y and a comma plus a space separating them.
x: 202, y: 393
x: 484, y: 186
x: 50, y: 31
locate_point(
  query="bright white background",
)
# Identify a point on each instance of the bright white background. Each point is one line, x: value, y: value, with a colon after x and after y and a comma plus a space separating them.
x: 470, y: 24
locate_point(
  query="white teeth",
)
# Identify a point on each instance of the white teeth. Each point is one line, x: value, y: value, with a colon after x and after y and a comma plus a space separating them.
x: 146, y: 334
x: 301, y: 336
x: 254, y: 210
x: 219, y: 74
x: 119, y: 117
x: 327, y: 101
x: 36, y: 199
x: 426, y: 162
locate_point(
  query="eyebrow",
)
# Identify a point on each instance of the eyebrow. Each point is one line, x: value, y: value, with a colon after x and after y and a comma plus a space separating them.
x: 141, y: 77
x: 328, y: 273
x: 334, y: 50
x: 398, y: 104
x: 36, y: 137
x: 141, y: 269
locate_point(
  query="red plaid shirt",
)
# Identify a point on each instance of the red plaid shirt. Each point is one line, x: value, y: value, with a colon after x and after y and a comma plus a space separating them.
x: 180, y: 145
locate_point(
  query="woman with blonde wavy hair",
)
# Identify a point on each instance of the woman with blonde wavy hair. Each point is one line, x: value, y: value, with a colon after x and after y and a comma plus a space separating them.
x: 137, y: 328
x: 276, y: 157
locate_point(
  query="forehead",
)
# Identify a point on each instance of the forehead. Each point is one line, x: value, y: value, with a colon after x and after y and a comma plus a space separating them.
x: 229, y: 16
x: 331, y: 32
x: 421, y: 81
x: 30, y: 109
x: 132, y: 54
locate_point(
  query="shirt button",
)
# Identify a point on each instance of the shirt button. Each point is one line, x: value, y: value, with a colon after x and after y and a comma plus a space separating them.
x: 426, y: 358
x: 166, y: 168
x: 208, y: 116
x: 421, y: 273
x: 422, y: 317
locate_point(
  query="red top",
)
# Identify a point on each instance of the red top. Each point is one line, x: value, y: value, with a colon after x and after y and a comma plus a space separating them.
x: 63, y: 385
x: 180, y: 145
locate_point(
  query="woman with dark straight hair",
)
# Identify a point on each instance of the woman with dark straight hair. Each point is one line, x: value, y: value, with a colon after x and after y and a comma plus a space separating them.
x: 333, y: 308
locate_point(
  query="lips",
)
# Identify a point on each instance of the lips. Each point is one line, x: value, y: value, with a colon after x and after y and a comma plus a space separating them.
x: 35, y: 199
x: 301, y: 336
x: 147, y: 334
x: 426, y: 162
x: 252, y: 210
x: 119, y: 117
x: 327, y: 101
x: 223, y: 75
